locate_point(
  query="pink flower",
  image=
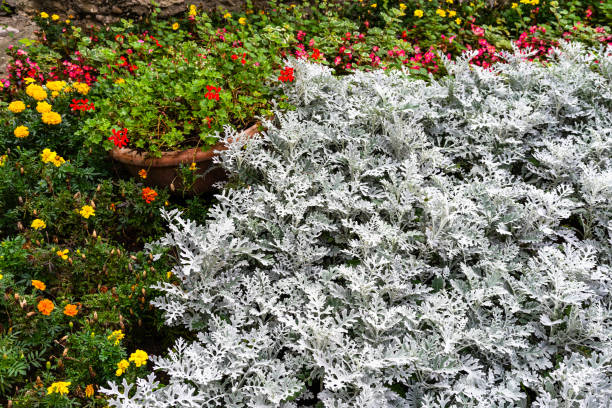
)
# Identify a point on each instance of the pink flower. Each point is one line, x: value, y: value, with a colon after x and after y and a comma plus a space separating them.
x: 479, y: 31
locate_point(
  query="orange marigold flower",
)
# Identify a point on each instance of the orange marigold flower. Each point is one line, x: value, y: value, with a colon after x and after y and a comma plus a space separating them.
x: 148, y: 194
x: 89, y: 391
x: 45, y: 307
x: 142, y: 173
x: 39, y: 285
x: 71, y: 310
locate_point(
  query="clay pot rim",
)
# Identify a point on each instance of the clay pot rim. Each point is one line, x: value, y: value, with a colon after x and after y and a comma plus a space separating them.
x: 172, y: 158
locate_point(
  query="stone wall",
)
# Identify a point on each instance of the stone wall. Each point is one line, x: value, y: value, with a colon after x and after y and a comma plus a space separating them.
x: 105, y: 11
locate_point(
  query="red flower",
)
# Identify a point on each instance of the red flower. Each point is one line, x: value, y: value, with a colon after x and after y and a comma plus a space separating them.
x: 119, y: 138
x: 213, y: 92
x: 234, y: 57
x: 148, y: 194
x: 81, y: 105
x: 315, y: 54
x: 286, y: 75
x: 208, y: 121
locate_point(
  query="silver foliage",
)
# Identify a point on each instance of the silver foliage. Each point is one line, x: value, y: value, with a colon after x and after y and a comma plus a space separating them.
x: 405, y: 244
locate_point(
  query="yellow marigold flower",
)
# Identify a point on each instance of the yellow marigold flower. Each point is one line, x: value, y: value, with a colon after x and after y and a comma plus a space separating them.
x: 452, y: 13
x: 3, y: 160
x: 36, y: 91
x: 142, y: 173
x: 21, y: 132
x: 43, y: 107
x: 62, y: 254
x: 449, y: 1
x: 418, y: 13
x: 193, y: 11
x: 1, y: 276
x: 116, y: 336
x: 38, y: 224
x: 458, y: 21
x: 168, y: 274
x: 71, y: 310
x: 67, y: 21
x: 87, y: 211
x: 58, y: 161
x: 16, y: 106
x: 44, y: 15
x: 121, y: 367
x: 119, y: 81
x: 39, y: 284
x: 54, y: 94
x: 81, y: 88
x: 193, y: 167
x: 514, y: 5
x: 139, y: 357
x: 89, y: 391
x: 45, y: 307
x: 54, y: 17
x: 60, y: 387
x: 227, y: 15
x: 47, y: 156
x: 175, y: 26
x: 441, y: 12
x: 29, y: 80
x: 67, y: 89
x: 242, y: 20
x: 55, y: 85
x: 402, y: 6
x: 51, y: 118
x: 373, y: 5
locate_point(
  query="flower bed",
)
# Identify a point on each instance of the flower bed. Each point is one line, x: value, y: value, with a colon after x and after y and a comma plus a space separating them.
x: 402, y: 242
x: 393, y: 239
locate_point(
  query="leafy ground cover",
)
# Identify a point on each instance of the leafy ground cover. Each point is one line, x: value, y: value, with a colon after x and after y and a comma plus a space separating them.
x: 431, y: 242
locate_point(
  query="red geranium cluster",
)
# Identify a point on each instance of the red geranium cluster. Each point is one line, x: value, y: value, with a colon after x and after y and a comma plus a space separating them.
x: 286, y: 75
x: 125, y: 64
x: 148, y: 194
x: 119, y: 138
x: 213, y: 92
x: 81, y: 105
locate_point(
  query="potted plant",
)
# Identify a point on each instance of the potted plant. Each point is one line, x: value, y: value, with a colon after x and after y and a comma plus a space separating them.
x: 158, y: 114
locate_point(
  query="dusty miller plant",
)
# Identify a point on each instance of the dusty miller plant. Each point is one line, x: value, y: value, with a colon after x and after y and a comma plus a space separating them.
x: 401, y: 243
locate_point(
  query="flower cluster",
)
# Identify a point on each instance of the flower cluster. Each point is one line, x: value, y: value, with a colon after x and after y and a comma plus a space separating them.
x: 82, y: 105
x: 48, y: 156
x: 36, y: 91
x: 148, y: 194
x: 16, y: 106
x: 212, y: 92
x: 116, y: 336
x: 21, y: 132
x: 286, y: 75
x: 39, y: 284
x: 59, y: 387
x: 51, y: 118
x: 87, y: 211
x: 45, y: 307
x: 38, y: 224
x: 119, y: 137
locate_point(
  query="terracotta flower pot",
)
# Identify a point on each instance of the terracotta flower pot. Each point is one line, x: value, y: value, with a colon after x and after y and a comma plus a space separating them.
x: 163, y: 171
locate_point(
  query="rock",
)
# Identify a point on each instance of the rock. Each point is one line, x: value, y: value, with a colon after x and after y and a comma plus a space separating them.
x: 8, y: 31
